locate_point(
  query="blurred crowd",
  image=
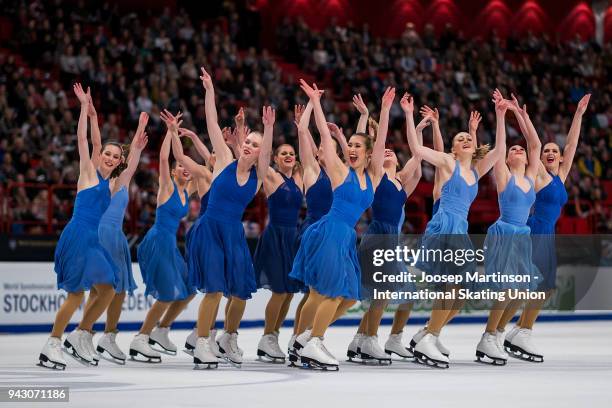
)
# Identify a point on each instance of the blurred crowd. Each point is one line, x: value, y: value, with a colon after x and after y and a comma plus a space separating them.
x: 148, y: 62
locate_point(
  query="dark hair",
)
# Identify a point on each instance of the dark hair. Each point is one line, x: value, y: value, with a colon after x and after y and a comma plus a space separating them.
x: 125, y: 150
x: 369, y: 140
x: 277, y: 150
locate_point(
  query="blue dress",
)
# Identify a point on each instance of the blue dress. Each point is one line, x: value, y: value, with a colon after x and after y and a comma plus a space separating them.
x: 319, y: 199
x: 507, y: 247
x: 112, y: 238
x: 163, y: 268
x: 548, y: 204
x: 383, y: 233
x: 278, y: 244
x: 327, y: 258
x: 80, y: 260
x: 447, y: 229
x: 219, y: 258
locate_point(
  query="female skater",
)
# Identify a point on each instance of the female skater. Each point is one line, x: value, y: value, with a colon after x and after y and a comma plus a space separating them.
x: 327, y: 258
x: 458, y: 192
x: 219, y: 259
x: 438, y: 145
x: 277, y: 246
x: 508, y: 245
x: 550, y: 199
x: 163, y: 268
x: 112, y: 238
x: 81, y: 263
x: 383, y: 232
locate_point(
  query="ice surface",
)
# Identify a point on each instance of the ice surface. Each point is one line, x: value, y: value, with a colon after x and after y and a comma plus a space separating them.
x: 577, y: 372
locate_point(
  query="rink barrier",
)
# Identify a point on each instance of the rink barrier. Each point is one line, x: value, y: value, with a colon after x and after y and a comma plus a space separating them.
x: 345, y: 322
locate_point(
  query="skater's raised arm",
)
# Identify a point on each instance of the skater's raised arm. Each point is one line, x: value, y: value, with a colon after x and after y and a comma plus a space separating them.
x: 534, y: 145
x: 87, y: 171
x: 263, y: 162
x: 360, y: 105
x: 499, y: 151
x: 433, y: 116
x: 223, y: 153
x: 438, y: 159
x: 197, y: 143
x: 338, y: 134
x: 165, y: 179
x: 306, y: 146
x: 96, y: 139
x: 571, y: 143
x: 378, y: 150
x: 139, y: 142
x: 333, y: 165
x: 475, y: 119
x: 411, y: 173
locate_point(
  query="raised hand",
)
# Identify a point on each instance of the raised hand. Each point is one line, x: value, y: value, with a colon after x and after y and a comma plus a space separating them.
x: 298, y: 111
x: 334, y: 130
x: 80, y: 94
x: 184, y: 132
x: 268, y: 116
x: 583, y: 104
x: 429, y: 114
x: 407, y: 103
x: 475, y: 119
x: 497, y: 95
x: 143, y: 119
x: 91, y: 110
x: 172, y: 122
x: 228, y: 135
x: 423, y: 124
x: 501, y: 106
x: 239, y: 118
x: 311, y: 91
x: 359, y: 104
x: 388, y: 98
x: 140, y: 141
x: 206, y: 80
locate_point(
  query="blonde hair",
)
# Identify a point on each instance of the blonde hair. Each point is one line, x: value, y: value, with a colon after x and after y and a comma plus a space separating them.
x: 481, y: 152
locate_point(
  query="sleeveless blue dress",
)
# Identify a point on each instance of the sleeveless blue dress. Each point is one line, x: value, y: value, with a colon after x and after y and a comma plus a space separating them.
x: 112, y: 238
x: 507, y: 247
x: 80, y: 259
x: 447, y: 229
x: 548, y: 204
x: 219, y: 258
x: 383, y: 233
x: 327, y: 258
x: 163, y: 268
x: 277, y: 245
x: 319, y: 199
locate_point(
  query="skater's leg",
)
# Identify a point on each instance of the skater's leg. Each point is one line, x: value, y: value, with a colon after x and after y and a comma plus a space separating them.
x: 400, y: 318
x: 511, y: 308
x: 363, y: 324
x: 104, y: 297
x: 228, y: 303
x: 113, y: 312
x: 457, y: 306
x: 298, y: 313
x: 377, y: 308
x: 65, y: 312
x: 90, y: 299
x: 206, y: 313
x: 345, y: 305
x: 495, y: 316
x: 283, y: 312
x: 309, y: 310
x: 234, y: 314
x: 153, y: 315
x: 174, y: 310
x: 531, y: 312
x: 273, y: 309
x: 325, y: 315
x: 214, y: 321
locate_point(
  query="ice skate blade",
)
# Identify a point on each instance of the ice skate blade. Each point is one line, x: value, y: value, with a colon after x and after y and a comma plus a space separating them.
x: 189, y: 352
x: 521, y: 354
x: 407, y: 357
x: 43, y: 361
x: 201, y: 365
x: 103, y: 353
x: 160, y: 348
x: 482, y: 358
x: 422, y: 359
x: 232, y: 363
x: 149, y: 359
x: 308, y: 363
x: 266, y: 358
x: 366, y: 358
